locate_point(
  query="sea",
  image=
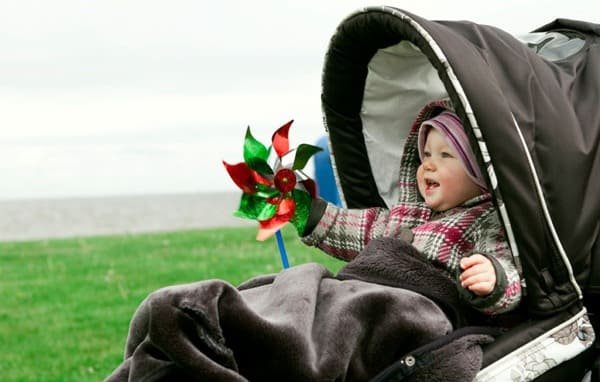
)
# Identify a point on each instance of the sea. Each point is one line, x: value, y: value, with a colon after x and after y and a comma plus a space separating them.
x: 38, y: 219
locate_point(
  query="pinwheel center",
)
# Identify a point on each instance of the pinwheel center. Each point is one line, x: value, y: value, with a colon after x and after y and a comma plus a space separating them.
x: 285, y: 180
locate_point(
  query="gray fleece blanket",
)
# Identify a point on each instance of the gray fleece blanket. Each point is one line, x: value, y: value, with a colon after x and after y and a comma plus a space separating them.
x: 305, y: 324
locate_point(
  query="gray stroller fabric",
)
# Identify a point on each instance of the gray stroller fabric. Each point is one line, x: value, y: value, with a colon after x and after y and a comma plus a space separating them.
x: 302, y: 324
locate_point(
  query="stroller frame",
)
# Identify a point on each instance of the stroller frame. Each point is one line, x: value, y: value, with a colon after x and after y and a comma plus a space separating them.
x: 556, y: 337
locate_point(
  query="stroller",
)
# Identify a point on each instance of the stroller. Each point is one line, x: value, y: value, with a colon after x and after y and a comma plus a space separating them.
x: 530, y: 108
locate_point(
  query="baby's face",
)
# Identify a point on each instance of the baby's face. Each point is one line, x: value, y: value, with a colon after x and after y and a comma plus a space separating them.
x: 442, y: 180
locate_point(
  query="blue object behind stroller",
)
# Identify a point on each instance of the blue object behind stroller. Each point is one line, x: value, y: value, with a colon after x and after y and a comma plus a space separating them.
x: 530, y: 108
x: 324, y: 177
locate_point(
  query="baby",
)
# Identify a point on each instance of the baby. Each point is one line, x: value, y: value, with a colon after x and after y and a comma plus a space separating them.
x: 445, y: 211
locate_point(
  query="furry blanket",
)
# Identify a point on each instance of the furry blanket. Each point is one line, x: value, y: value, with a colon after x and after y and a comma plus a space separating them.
x: 304, y: 324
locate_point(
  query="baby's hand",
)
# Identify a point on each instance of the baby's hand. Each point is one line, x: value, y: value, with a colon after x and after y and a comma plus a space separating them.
x: 478, y: 274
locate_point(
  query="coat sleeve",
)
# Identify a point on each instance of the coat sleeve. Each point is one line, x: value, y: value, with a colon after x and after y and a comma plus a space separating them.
x: 506, y: 296
x: 343, y: 233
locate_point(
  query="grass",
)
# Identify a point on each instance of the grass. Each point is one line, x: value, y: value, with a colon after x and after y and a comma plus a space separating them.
x: 65, y: 305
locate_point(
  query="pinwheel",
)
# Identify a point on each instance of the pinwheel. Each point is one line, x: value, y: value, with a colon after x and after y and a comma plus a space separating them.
x: 277, y: 193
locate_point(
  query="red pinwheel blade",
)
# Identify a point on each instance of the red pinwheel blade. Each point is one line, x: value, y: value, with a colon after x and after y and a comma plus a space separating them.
x: 280, y: 140
x: 285, y: 211
x: 263, y: 233
x: 242, y: 176
x: 286, y: 208
x: 311, y: 187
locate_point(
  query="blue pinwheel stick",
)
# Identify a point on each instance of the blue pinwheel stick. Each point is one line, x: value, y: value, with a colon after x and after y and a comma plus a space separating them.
x: 282, y: 252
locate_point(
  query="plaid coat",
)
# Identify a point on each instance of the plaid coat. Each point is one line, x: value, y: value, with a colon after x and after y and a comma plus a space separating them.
x: 442, y: 237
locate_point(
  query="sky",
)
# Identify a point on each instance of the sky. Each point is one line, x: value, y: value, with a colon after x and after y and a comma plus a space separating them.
x: 117, y: 97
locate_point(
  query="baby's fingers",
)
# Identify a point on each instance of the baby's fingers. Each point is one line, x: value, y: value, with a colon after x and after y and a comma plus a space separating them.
x: 482, y: 288
x: 479, y: 283
x: 479, y: 269
x: 473, y: 260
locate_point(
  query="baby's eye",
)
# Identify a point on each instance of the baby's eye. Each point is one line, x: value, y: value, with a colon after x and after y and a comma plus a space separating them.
x: 446, y: 154
x: 426, y: 154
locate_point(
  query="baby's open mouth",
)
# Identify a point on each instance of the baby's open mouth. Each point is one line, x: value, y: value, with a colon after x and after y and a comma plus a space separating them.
x: 431, y: 184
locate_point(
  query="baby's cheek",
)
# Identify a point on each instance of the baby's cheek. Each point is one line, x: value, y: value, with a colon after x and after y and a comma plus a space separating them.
x: 420, y: 178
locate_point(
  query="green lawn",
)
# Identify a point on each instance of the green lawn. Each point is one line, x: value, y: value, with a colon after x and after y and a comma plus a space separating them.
x: 65, y: 305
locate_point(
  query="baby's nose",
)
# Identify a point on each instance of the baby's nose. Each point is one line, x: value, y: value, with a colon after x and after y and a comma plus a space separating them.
x: 428, y: 165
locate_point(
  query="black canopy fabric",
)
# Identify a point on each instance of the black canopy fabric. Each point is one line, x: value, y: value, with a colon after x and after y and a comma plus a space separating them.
x: 538, y: 119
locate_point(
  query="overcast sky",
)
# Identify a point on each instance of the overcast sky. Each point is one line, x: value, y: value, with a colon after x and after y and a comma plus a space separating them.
x: 132, y: 97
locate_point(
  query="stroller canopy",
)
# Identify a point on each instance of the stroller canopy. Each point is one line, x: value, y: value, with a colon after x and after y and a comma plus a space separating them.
x: 530, y: 108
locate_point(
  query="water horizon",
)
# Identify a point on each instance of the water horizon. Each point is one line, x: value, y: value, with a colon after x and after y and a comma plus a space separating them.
x: 69, y: 217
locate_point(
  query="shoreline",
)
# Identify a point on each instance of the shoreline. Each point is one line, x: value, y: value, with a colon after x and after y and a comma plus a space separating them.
x: 38, y: 219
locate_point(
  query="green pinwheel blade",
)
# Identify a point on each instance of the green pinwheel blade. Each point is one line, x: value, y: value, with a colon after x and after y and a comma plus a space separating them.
x: 265, y: 191
x: 303, y: 154
x: 256, y: 154
x: 303, y: 201
x: 259, y: 165
x: 255, y: 208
